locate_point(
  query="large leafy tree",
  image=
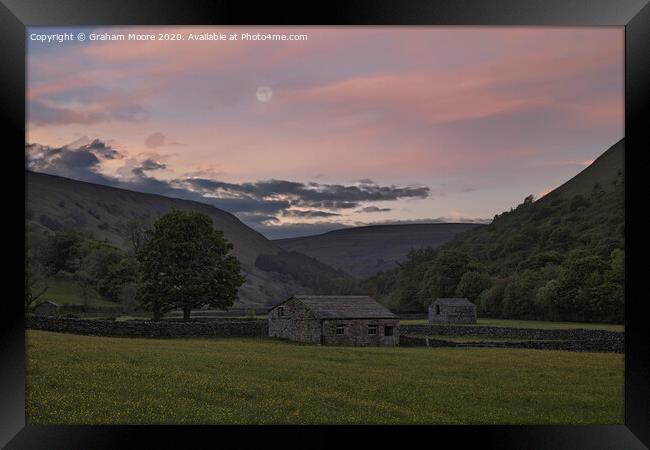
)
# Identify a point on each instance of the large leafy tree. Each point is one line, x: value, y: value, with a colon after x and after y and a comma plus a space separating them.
x: 185, y: 264
x: 472, y: 284
x: 62, y: 251
x: 443, y: 275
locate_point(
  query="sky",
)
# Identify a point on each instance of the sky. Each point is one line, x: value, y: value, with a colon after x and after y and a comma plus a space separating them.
x: 351, y: 126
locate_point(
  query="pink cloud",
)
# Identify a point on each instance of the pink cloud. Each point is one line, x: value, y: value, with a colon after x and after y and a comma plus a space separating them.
x: 359, y: 102
x: 426, y: 97
x: 546, y: 78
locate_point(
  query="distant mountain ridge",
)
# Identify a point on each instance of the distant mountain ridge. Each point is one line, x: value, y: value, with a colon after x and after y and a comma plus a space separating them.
x: 365, y: 251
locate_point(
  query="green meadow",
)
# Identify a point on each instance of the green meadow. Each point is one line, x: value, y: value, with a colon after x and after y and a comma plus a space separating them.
x: 65, y: 292
x: 95, y: 380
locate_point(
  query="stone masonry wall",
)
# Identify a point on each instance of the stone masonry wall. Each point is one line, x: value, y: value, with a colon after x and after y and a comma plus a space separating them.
x: 592, y: 345
x: 144, y: 328
x: 297, y: 323
x: 356, y: 332
x: 452, y: 314
x: 504, y: 332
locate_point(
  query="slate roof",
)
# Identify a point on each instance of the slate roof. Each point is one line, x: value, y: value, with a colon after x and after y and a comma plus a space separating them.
x: 344, y: 307
x: 453, y: 302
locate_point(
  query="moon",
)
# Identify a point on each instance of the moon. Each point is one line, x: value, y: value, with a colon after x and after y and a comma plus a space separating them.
x: 264, y: 94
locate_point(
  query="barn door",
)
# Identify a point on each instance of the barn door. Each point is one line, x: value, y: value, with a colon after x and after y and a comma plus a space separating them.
x: 389, y: 335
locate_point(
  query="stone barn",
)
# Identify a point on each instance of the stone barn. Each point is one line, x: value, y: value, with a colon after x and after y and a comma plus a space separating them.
x: 47, y: 308
x: 452, y: 310
x: 334, y: 320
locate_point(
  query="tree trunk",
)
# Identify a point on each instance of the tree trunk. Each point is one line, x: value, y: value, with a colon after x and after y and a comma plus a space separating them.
x: 156, y: 315
x: 186, y: 315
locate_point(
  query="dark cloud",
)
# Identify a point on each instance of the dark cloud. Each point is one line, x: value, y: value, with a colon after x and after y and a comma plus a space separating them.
x: 333, y: 204
x: 257, y: 221
x: 83, y: 160
x: 308, y: 213
x: 77, y: 159
x: 81, y: 164
x: 296, y: 199
x: 148, y: 165
x: 316, y: 195
x: 371, y: 209
x: 237, y: 205
x: 425, y: 221
x: 99, y: 148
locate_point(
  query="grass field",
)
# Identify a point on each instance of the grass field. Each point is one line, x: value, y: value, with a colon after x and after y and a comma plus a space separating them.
x: 94, y: 380
x: 66, y: 292
x: 533, y: 324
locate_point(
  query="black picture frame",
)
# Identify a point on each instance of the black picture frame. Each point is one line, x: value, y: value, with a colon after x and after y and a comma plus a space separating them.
x: 634, y: 15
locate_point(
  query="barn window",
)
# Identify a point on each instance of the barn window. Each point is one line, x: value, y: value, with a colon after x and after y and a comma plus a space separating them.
x: 372, y: 330
x: 388, y: 331
x: 438, y: 309
x: 281, y: 311
x: 340, y: 329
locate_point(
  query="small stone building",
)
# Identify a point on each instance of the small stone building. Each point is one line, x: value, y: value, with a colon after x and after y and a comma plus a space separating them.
x: 47, y: 308
x: 452, y: 310
x: 334, y: 320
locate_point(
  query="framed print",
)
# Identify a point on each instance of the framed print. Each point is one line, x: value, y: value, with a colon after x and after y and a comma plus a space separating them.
x: 358, y: 219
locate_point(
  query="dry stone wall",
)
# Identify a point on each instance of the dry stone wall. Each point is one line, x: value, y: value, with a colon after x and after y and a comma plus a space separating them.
x: 503, y: 332
x: 150, y: 329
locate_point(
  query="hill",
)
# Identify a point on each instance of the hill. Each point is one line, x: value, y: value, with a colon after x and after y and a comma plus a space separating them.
x: 55, y: 203
x: 605, y: 171
x: 365, y: 251
x: 558, y: 258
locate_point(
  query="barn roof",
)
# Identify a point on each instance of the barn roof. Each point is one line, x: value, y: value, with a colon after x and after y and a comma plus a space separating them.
x: 344, y: 307
x: 452, y: 302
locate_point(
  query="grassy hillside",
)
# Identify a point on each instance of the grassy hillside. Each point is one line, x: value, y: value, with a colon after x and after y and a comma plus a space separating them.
x: 605, y: 171
x: 92, y: 380
x: 559, y: 258
x: 322, y: 278
x: 569, y: 218
x: 66, y: 292
x: 365, y: 251
x: 56, y: 203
